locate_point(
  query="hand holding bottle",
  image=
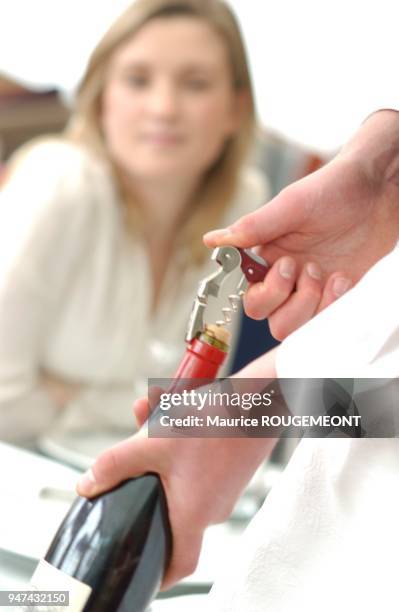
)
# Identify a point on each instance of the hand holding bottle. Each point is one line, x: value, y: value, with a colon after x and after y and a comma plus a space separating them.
x: 202, y: 479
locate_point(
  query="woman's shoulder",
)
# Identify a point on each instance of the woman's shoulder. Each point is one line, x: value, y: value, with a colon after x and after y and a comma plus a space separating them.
x: 254, y: 185
x: 54, y: 157
x: 253, y: 190
x: 54, y: 174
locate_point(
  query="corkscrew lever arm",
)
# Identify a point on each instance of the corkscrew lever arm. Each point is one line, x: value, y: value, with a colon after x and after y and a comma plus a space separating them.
x: 229, y: 258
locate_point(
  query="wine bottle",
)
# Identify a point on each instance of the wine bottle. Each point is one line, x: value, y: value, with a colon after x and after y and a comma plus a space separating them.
x: 111, y: 552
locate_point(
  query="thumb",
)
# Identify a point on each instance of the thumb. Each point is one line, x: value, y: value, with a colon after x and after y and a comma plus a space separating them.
x: 116, y: 464
x: 274, y: 219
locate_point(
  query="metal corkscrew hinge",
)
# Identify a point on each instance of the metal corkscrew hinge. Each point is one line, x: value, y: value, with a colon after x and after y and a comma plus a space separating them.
x: 229, y: 258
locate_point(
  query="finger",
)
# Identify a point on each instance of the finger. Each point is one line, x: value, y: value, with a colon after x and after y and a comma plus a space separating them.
x: 141, y: 411
x: 154, y: 395
x: 263, y: 298
x: 143, y: 407
x: 336, y: 285
x: 126, y: 459
x: 278, y: 217
x: 301, y: 306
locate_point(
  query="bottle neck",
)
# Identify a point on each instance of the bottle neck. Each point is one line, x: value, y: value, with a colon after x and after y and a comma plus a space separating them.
x: 219, y: 344
x: 202, y: 359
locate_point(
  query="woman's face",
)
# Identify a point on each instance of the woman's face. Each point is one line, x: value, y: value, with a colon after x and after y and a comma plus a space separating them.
x: 168, y: 104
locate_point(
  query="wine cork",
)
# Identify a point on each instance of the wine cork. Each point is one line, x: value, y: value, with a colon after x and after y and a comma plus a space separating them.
x: 219, y: 333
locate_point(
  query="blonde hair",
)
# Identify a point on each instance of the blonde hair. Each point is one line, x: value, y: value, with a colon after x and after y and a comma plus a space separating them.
x: 220, y: 181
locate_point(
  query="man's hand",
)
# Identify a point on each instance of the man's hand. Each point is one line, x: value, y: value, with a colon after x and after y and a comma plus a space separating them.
x: 340, y: 220
x: 202, y: 477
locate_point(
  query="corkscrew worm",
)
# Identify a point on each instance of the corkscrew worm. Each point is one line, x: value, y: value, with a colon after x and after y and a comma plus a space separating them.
x: 229, y: 258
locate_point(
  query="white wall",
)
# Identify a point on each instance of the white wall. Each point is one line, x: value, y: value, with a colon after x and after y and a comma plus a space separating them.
x: 319, y: 66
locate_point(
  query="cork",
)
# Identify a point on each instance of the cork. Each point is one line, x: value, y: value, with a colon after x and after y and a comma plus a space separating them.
x: 219, y: 333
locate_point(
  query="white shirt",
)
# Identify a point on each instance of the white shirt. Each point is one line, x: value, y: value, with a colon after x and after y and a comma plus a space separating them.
x: 326, y: 538
x: 75, y: 295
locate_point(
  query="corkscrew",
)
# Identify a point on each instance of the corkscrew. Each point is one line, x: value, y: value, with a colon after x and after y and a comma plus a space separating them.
x: 229, y: 258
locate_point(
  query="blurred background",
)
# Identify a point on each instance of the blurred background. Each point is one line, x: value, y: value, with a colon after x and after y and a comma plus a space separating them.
x: 319, y: 67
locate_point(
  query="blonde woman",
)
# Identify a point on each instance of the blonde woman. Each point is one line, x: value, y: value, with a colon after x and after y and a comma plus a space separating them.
x: 101, y: 228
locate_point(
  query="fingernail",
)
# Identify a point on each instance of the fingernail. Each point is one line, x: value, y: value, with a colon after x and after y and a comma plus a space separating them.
x: 87, y: 483
x: 220, y: 234
x: 313, y: 271
x: 287, y: 268
x: 341, y: 285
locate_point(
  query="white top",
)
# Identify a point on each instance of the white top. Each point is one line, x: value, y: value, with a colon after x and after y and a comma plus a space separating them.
x: 75, y: 296
x: 326, y: 537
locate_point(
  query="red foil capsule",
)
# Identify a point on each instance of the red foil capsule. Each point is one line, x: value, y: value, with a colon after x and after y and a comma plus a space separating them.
x: 203, y: 358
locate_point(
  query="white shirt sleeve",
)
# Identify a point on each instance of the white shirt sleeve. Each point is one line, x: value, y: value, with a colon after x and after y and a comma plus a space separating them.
x: 39, y: 220
x: 357, y: 336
